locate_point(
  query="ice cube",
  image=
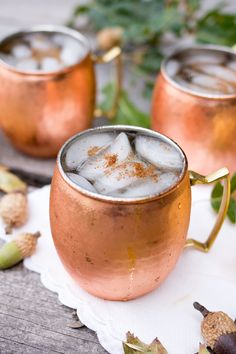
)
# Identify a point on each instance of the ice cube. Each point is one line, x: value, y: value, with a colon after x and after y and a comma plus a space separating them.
x: 219, y: 72
x: 72, y: 52
x: 232, y: 65
x: 121, y: 147
x: 198, y: 88
x: 41, y: 42
x: 86, y: 146
x: 59, y: 39
x: 120, y: 177
x: 50, y: 64
x: 172, y: 67
x: 157, y: 152
x: 118, y: 151
x: 27, y: 65
x: 8, y: 59
x: 149, y: 186
x: 21, y: 51
x: 212, y: 83
x: 207, y: 58
x: 81, y: 181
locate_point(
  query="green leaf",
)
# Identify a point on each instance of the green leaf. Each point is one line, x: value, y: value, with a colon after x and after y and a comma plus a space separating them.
x: 146, y: 23
x: 81, y: 10
x: 232, y: 211
x: 216, y: 197
x: 233, y: 183
x: 128, y: 113
x: 134, y: 345
x: 217, y: 28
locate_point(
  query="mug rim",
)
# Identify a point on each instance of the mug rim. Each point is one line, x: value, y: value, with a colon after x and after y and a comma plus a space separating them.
x: 208, y: 47
x: 47, y: 28
x: 115, y: 200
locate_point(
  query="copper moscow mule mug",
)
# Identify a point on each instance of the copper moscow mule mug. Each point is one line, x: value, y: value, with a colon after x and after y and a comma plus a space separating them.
x: 38, y: 110
x: 203, y: 124
x: 119, y: 249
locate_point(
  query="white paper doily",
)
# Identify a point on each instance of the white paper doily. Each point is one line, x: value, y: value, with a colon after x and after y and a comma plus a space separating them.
x: 166, y: 313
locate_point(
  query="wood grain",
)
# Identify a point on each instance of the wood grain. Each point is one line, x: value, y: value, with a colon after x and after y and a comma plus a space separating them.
x: 32, y: 320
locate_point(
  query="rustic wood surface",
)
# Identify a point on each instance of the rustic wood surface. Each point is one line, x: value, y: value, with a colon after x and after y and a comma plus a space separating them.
x: 32, y: 320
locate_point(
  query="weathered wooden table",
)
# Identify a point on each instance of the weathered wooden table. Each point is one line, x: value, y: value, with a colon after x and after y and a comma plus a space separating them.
x: 32, y: 320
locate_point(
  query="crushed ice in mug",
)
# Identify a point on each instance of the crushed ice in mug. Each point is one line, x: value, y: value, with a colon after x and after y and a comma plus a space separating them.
x: 204, y: 71
x: 124, y: 165
x: 42, y: 51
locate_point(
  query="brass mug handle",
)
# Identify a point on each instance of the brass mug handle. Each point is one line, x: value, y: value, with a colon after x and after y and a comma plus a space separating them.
x: 195, y: 178
x: 112, y: 54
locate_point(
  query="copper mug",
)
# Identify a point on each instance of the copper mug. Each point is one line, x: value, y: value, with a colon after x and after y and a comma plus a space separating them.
x: 120, y: 249
x: 203, y: 124
x: 39, y: 111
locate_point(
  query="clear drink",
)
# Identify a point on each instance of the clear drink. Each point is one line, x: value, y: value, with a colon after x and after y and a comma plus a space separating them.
x: 123, y: 164
x: 42, y: 51
x: 209, y: 72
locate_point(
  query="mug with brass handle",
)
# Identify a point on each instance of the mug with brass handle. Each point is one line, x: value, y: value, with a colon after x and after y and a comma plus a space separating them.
x: 122, y: 248
x: 39, y: 110
x: 195, y: 178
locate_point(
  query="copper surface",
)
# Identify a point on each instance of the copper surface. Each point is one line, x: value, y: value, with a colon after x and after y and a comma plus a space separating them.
x: 118, y: 250
x: 40, y: 111
x: 205, y: 127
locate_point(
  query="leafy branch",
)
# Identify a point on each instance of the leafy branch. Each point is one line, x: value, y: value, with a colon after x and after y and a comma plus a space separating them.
x: 141, y: 28
x: 216, y: 197
x: 146, y: 23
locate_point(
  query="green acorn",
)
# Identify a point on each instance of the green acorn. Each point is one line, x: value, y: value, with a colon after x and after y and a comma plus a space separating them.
x: 15, y: 251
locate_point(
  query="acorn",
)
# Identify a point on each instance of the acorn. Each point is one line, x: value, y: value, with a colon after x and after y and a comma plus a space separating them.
x: 22, y: 246
x: 109, y: 37
x: 218, y: 330
x: 14, y: 210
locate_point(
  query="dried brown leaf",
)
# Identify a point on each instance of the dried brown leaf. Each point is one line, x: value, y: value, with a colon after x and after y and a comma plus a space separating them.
x: 134, y: 345
x: 76, y: 324
x: 203, y: 349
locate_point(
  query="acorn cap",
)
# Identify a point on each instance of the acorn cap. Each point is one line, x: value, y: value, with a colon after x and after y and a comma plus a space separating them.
x: 26, y: 243
x: 109, y: 37
x: 214, y: 325
x: 15, y: 251
x: 14, y: 210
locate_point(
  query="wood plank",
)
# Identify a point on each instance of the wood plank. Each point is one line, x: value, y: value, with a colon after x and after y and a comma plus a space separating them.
x: 33, y: 321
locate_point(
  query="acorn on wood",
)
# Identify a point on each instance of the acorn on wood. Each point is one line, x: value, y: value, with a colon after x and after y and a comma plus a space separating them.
x: 14, y: 210
x: 109, y: 37
x: 218, y: 330
x: 22, y: 246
